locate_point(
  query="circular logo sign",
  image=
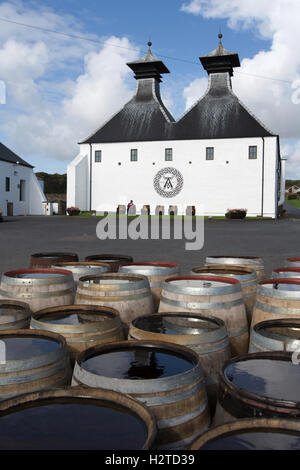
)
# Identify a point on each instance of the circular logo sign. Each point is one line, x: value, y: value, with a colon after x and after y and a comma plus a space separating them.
x: 168, y: 182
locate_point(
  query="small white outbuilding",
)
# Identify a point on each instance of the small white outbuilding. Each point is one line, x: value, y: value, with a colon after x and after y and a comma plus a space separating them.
x: 20, y: 190
x: 218, y: 155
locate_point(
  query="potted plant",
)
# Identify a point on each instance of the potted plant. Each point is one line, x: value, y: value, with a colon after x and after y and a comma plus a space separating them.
x: 236, y: 213
x: 73, y: 210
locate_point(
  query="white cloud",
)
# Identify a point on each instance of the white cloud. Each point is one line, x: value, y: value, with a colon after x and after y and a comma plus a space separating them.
x: 271, y: 100
x: 59, y: 89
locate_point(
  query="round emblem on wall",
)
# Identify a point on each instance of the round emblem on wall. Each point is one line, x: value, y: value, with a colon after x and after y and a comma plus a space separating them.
x: 168, y: 182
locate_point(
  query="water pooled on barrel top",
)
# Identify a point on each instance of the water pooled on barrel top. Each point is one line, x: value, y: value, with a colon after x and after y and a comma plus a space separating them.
x: 173, y: 325
x: 138, y: 364
x: 71, y: 424
x: 39, y: 275
x: 255, y: 440
x: 71, y: 319
x: 275, y: 379
x: 25, y: 347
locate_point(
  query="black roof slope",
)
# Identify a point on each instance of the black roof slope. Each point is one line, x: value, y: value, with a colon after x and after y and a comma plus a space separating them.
x: 144, y: 117
x: 7, y: 155
x: 219, y: 114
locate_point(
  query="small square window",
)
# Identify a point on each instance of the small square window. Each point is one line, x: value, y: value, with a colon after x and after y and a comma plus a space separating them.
x: 98, y: 156
x: 210, y: 153
x: 168, y: 155
x: 7, y: 184
x: 252, y: 152
x: 133, y: 155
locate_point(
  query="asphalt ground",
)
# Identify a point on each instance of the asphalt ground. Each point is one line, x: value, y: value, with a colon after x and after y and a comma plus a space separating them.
x: 272, y: 240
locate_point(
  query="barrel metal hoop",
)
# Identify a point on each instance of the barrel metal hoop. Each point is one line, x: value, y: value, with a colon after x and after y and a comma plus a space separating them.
x: 142, y: 284
x: 274, y: 293
x: 239, y: 261
x: 205, y: 291
x: 30, y: 377
x: 168, y: 423
x: 62, y: 329
x: 150, y: 272
x: 34, y: 363
x: 134, y: 387
x: 113, y: 299
x: 19, y: 281
x: 174, y: 397
x: 214, y: 348
x: 273, y: 344
x: 198, y: 305
x: 31, y: 295
x: 280, y: 310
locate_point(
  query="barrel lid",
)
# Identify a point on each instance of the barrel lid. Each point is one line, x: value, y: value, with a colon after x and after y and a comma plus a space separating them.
x: 109, y: 397
x: 247, y: 425
x: 258, y: 381
x: 151, y: 385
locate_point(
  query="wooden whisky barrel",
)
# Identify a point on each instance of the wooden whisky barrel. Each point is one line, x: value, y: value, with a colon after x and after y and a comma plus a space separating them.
x: 82, y: 326
x: 277, y: 298
x: 14, y: 315
x: 39, y: 288
x: 220, y: 297
x: 251, y: 434
x: 33, y: 360
x: 129, y: 294
x: 293, y: 262
x: 76, y: 419
x: 285, y: 273
x: 246, y: 276
x: 46, y: 260
x: 251, y: 262
x: 262, y: 385
x: 167, y: 378
x: 114, y: 261
x: 276, y: 335
x: 156, y: 272
x: 207, y: 336
x: 81, y: 269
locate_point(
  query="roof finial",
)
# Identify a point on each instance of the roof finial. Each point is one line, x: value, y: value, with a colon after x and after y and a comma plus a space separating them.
x: 149, y: 43
x: 220, y: 35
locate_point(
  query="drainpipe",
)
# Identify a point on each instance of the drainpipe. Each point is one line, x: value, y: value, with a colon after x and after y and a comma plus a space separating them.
x: 91, y: 174
x: 263, y: 177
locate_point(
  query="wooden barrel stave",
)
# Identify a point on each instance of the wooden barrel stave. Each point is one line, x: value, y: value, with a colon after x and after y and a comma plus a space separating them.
x: 168, y: 398
x: 45, y: 260
x: 103, y: 326
x: 272, y: 304
x: 36, y: 373
x: 156, y: 272
x: 38, y: 293
x: 131, y: 297
x: 225, y: 303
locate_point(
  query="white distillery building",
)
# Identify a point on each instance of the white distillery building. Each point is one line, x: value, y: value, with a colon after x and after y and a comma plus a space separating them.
x: 218, y: 155
x: 20, y: 190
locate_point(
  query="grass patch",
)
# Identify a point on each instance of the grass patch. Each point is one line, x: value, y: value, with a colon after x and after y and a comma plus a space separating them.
x: 293, y: 202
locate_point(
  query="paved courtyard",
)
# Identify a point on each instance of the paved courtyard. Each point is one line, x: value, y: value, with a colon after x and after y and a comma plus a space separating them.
x: 273, y: 240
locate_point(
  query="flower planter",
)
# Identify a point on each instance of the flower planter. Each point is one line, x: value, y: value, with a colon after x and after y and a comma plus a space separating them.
x: 236, y: 214
x: 73, y: 211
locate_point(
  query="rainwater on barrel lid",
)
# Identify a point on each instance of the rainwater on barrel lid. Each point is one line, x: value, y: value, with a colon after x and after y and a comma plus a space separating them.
x: 71, y: 420
x: 137, y: 360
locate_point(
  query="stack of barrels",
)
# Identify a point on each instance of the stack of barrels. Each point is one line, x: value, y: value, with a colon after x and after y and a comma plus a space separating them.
x: 159, y: 356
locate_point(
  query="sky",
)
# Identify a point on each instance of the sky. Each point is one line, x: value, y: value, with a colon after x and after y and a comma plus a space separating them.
x: 63, y: 66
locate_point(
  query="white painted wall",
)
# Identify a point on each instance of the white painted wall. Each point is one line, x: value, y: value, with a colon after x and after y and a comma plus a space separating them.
x: 34, y: 196
x: 231, y: 180
x: 78, y: 172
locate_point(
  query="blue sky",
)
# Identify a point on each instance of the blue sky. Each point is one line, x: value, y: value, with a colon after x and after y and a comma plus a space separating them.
x: 59, y: 89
